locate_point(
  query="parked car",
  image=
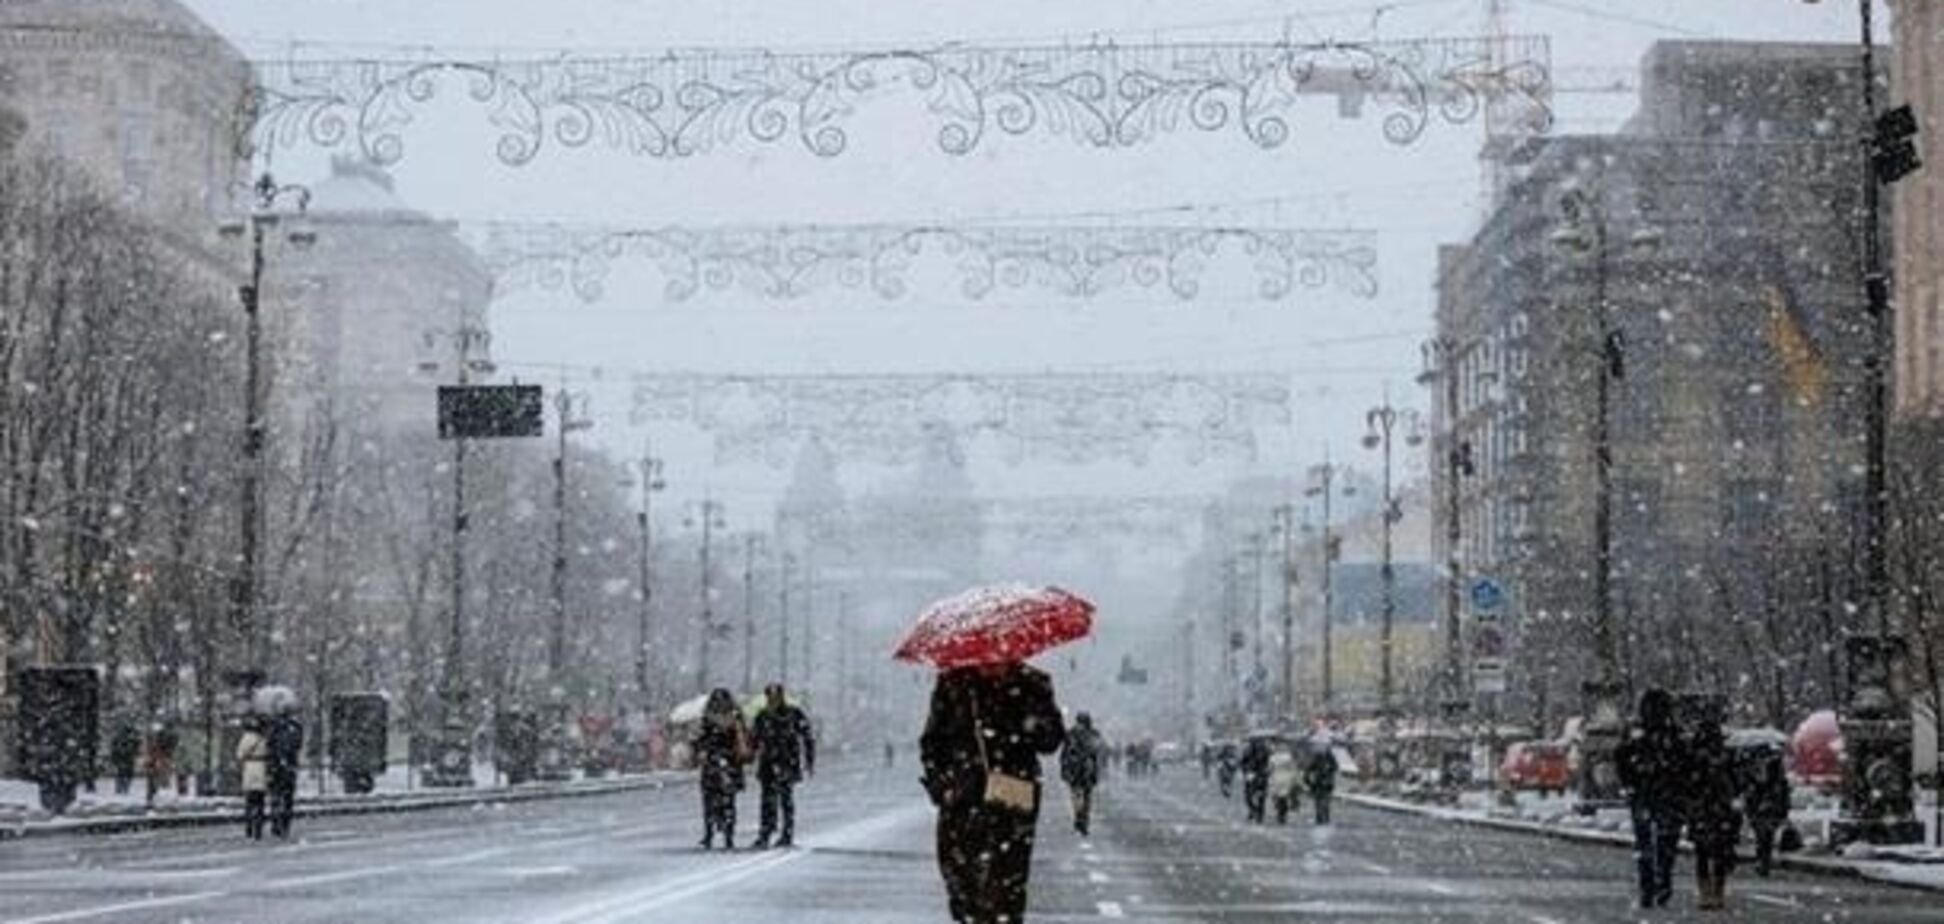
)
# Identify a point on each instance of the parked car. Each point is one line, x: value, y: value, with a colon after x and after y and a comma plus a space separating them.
x: 1542, y: 766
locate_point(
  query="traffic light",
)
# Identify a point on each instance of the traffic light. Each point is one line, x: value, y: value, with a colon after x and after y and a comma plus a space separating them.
x: 1894, y: 149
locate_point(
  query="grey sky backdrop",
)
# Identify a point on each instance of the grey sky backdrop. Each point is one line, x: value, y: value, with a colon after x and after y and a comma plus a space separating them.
x: 1341, y: 353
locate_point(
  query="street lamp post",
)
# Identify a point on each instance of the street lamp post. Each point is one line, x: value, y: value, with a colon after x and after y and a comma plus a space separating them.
x: 1285, y: 528
x: 262, y: 220
x: 452, y: 760
x: 1876, y: 793
x: 1586, y: 233
x: 1382, y: 423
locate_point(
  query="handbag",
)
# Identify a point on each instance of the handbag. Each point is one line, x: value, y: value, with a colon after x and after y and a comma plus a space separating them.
x: 1002, y: 790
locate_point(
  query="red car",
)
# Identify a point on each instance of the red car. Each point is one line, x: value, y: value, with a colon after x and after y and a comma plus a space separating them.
x: 1544, y: 766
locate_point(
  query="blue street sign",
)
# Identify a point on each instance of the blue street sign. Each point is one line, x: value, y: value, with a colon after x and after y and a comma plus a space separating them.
x: 1486, y: 594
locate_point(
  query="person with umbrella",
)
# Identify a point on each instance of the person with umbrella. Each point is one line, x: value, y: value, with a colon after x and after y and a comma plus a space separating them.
x: 785, y: 752
x: 286, y: 745
x: 721, y: 752
x: 1765, y: 794
x: 991, y: 718
x: 253, y: 760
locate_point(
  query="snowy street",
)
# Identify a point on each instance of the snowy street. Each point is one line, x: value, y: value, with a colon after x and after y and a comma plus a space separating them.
x: 1165, y: 849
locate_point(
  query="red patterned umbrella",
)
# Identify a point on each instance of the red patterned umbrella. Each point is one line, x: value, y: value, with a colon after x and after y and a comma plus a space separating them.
x: 993, y: 625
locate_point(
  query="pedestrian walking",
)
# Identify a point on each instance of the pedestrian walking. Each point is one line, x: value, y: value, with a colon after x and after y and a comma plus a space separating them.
x: 1766, y: 797
x: 981, y: 750
x: 124, y: 750
x: 1650, y: 764
x: 786, y: 752
x: 1285, y: 783
x: 1080, y: 760
x: 1714, y: 822
x: 721, y: 752
x: 1225, y: 758
x: 1255, y: 776
x: 286, y: 743
x: 1320, y: 779
x: 159, y: 765
x: 253, y: 759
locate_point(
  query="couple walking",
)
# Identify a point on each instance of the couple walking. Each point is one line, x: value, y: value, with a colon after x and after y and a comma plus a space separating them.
x: 783, y: 748
x: 268, y: 753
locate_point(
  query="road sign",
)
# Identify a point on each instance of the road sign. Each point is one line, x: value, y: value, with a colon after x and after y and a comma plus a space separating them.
x: 1488, y: 641
x: 1488, y: 675
x: 1487, y: 595
x: 490, y: 411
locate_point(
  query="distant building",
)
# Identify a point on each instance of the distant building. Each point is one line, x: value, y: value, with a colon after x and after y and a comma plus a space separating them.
x: 1919, y: 249
x: 141, y: 94
x: 1736, y: 421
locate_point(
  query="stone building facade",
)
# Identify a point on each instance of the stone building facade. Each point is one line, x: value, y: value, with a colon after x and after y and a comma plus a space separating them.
x: 1918, y: 79
x: 1731, y: 276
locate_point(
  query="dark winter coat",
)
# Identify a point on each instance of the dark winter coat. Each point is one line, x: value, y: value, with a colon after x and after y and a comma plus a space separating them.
x: 1708, y: 785
x: 286, y: 740
x: 1766, y: 795
x: 785, y: 746
x: 721, y: 749
x: 1080, y: 758
x: 1255, y: 760
x: 1015, y: 713
x: 1320, y: 776
x: 1652, y: 762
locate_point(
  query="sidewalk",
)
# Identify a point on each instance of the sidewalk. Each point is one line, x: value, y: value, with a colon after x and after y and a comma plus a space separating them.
x: 116, y: 814
x: 1910, y: 869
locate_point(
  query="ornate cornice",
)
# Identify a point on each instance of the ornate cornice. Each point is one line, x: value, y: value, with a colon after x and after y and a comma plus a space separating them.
x: 881, y: 260
x: 691, y: 102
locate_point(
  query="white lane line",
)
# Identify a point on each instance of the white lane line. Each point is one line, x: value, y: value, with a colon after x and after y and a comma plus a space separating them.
x: 1111, y: 910
x: 1097, y: 877
x: 1378, y: 868
x: 82, y: 914
x: 1439, y: 888
x: 1542, y: 919
x: 1776, y: 900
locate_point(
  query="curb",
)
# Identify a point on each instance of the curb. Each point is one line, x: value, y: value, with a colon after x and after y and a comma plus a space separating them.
x: 374, y: 805
x: 1812, y: 865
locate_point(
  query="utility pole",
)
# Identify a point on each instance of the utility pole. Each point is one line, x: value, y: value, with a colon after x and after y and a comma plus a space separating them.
x: 1231, y: 695
x: 1441, y: 367
x: 1325, y: 476
x: 557, y: 629
x: 452, y: 764
x: 651, y: 481
x: 1257, y: 549
x: 750, y: 543
x: 786, y: 575
x: 711, y: 514
x: 1286, y: 570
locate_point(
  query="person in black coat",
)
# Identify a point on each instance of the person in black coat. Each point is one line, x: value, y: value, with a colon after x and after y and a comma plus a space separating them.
x: 1650, y: 764
x: 1255, y: 777
x: 1320, y: 779
x: 1714, y: 822
x: 286, y: 741
x: 981, y: 750
x: 1080, y: 761
x: 1766, y: 797
x: 721, y: 752
x: 786, y: 751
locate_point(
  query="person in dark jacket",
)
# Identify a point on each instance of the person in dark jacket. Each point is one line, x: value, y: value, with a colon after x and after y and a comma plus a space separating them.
x: 1766, y: 797
x: 1320, y: 779
x: 1225, y: 768
x: 1650, y: 765
x: 981, y: 750
x: 721, y: 752
x: 124, y: 749
x: 786, y: 752
x: 1255, y: 776
x: 1080, y: 761
x: 286, y: 741
x: 1714, y: 823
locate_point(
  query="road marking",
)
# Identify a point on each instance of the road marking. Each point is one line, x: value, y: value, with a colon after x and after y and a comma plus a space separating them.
x: 1776, y: 900
x: 1097, y: 877
x: 1542, y: 919
x: 1440, y: 888
x: 82, y: 914
x: 1111, y: 910
x: 1378, y: 868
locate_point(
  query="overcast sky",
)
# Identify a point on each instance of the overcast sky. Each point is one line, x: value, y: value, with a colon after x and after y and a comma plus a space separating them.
x: 1341, y: 352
